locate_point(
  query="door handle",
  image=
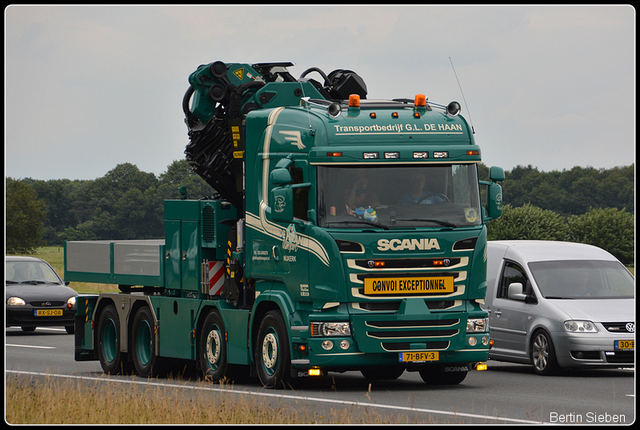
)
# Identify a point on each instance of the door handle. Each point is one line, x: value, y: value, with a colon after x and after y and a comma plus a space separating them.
x: 498, y: 313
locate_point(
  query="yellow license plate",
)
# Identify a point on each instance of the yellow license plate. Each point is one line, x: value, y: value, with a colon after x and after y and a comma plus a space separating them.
x: 48, y: 313
x: 409, y: 285
x: 623, y: 344
x: 418, y: 357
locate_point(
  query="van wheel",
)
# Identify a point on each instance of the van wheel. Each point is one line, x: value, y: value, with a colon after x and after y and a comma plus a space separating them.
x: 543, y: 355
x: 212, y: 348
x: 272, y: 355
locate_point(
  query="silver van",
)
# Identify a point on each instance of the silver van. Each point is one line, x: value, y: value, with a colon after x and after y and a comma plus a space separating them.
x: 559, y: 305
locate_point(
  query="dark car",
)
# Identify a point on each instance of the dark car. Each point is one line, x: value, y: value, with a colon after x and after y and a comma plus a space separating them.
x: 36, y: 296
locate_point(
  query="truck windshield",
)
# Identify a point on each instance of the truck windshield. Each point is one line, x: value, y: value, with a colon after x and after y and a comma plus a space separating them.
x: 398, y: 196
x: 582, y: 279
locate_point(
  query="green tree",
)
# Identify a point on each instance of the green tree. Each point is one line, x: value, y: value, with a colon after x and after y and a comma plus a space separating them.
x: 25, y: 215
x: 527, y: 223
x: 610, y: 229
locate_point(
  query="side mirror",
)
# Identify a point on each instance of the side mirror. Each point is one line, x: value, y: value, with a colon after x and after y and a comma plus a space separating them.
x: 282, y: 203
x: 515, y: 292
x: 493, y: 209
x: 280, y: 176
x: 496, y: 174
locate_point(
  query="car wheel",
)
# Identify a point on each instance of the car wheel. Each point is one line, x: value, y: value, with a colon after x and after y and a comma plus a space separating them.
x: 543, y: 355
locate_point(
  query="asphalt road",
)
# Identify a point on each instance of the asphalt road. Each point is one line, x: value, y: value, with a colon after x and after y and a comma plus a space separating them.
x: 505, y: 393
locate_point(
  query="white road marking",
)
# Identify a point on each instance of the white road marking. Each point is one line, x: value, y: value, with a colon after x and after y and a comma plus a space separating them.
x: 31, y: 346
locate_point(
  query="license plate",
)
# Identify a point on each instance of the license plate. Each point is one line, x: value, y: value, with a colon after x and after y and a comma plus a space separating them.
x: 623, y: 344
x: 48, y: 312
x: 409, y: 285
x: 418, y: 357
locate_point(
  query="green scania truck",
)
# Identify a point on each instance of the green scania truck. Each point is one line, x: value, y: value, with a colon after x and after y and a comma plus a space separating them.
x: 346, y: 234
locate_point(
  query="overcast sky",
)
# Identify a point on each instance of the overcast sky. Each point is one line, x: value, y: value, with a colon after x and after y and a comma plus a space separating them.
x: 90, y: 87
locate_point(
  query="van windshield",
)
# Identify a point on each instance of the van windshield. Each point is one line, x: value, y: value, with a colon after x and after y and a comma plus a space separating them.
x: 583, y: 279
x: 398, y: 196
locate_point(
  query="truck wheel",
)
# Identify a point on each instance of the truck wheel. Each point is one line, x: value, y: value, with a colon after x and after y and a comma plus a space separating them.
x: 108, y: 339
x: 543, y: 355
x: 212, y: 348
x: 272, y: 351
x: 444, y: 375
x: 380, y: 373
x: 143, y: 344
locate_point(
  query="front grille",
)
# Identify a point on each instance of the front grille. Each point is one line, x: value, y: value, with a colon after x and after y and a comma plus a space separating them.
x: 406, y: 346
x: 46, y: 304
x: 404, y: 334
x: 417, y: 329
x: 619, y: 327
x: 619, y: 357
x: 413, y: 323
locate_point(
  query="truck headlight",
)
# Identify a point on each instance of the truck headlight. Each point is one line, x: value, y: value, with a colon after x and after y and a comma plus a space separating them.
x: 322, y: 329
x: 577, y: 326
x: 477, y: 325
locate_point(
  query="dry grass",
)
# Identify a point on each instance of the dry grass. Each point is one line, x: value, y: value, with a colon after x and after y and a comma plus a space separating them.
x: 58, y: 401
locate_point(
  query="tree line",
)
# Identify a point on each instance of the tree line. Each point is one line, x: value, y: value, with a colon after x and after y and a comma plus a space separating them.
x: 581, y: 204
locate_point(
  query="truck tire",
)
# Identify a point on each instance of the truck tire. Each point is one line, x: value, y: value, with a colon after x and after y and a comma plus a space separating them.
x: 212, y: 348
x: 108, y: 340
x: 444, y: 375
x: 272, y: 356
x: 381, y: 373
x: 143, y: 344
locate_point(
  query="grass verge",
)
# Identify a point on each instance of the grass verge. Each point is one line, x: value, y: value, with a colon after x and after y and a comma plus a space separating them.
x: 32, y: 400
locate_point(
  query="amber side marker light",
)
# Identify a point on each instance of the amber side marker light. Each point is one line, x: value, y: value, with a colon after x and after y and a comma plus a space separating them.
x: 481, y: 366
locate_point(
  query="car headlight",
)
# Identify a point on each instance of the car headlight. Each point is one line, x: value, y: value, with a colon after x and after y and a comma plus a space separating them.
x: 72, y: 301
x: 322, y: 329
x: 15, y: 301
x: 576, y: 326
x: 477, y: 325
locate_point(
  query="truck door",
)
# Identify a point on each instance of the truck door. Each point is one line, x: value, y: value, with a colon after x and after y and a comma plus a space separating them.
x: 286, y: 241
x: 509, y: 318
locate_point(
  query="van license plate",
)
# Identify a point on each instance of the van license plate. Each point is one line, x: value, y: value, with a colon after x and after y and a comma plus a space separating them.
x: 48, y: 312
x: 623, y: 344
x: 418, y: 357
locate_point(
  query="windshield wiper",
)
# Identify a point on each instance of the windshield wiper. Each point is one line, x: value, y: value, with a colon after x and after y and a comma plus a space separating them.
x: 435, y: 221
x: 360, y: 221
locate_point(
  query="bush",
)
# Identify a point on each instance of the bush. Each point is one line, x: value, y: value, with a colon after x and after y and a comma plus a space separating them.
x: 610, y: 229
x: 528, y: 223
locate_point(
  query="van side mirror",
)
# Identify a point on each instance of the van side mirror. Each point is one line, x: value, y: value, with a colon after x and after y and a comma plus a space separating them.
x: 515, y: 292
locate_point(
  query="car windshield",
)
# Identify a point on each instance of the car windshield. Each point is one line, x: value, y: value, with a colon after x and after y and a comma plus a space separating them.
x: 583, y: 279
x: 398, y: 196
x: 30, y: 272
